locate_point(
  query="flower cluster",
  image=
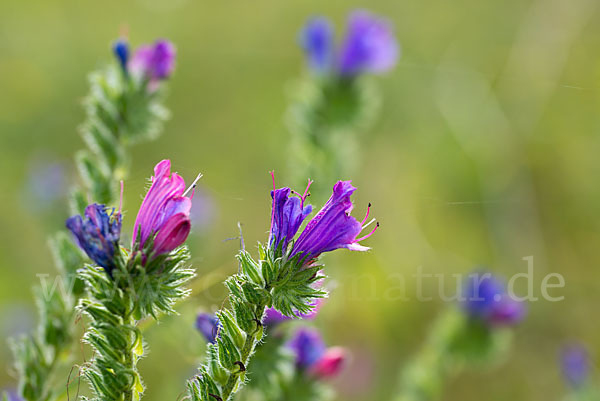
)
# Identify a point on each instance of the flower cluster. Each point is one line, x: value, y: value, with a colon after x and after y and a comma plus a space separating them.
x: 162, y: 223
x: 331, y: 228
x: 368, y: 47
x: 313, y: 357
x: 153, y: 62
x: 485, y: 298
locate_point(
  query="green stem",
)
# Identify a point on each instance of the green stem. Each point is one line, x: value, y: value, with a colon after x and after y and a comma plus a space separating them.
x: 247, y: 350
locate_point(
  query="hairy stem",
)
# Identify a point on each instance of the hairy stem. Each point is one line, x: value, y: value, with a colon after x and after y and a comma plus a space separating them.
x: 247, y: 351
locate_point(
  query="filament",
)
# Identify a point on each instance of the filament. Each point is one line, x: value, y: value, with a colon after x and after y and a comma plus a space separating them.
x: 193, y: 184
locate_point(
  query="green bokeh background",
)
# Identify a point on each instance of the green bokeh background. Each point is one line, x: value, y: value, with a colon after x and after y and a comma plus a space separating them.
x: 485, y: 152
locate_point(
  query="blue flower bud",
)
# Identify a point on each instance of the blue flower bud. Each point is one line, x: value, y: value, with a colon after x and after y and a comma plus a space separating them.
x: 121, y: 50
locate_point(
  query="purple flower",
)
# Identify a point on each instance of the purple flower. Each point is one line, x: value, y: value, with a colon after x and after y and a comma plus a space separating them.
x: 333, y: 227
x: 308, y: 346
x: 485, y: 298
x: 164, y: 213
x: 97, y: 233
x: 313, y: 357
x: 121, y: 50
x: 287, y: 215
x: 369, y: 46
x: 273, y: 317
x: 316, y: 38
x: 575, y: 365
x: 155, y: 62
x: 208, y: 325
x: 12, y: 395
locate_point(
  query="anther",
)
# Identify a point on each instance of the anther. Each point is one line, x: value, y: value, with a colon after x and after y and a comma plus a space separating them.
x: 369, y: 234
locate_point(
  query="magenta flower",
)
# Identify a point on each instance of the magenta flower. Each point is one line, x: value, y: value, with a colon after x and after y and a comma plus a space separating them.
x: 98, y: 234
x: 333, y: 227
x: 155, y: 62
x: 165, y: 212
x: 330, y: 364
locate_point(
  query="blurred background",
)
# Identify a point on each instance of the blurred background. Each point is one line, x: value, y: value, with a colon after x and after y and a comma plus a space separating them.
x: 485, y: 152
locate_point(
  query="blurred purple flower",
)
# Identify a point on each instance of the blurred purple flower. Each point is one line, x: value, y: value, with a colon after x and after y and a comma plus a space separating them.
x: 208, y: 325
x: 98, y: 234
x: 332, y: 228
x: 316, y: 38
x: 121, y: 50
x: 308, y: 347
x: 273, y: 317
x: 155, y: 62
x: 485, y: 298
x: 575, y: 365
x: 47, y: 183
x: 368, y: 47
x: 164, y: 213
x: 12, y: 395
x: 313, y: 357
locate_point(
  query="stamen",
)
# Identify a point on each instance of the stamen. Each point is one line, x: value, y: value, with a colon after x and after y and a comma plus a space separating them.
x: 369, y: 234
x: 273, y: 202
x: 368, y: 224
x: 365, y: 219
x: 273, y: 176
x: 306, y: 193
x: 191, y: 187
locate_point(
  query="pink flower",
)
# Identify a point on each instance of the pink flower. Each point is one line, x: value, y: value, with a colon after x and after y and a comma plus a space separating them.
x: 330, y: 364
x: 165, y: 212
